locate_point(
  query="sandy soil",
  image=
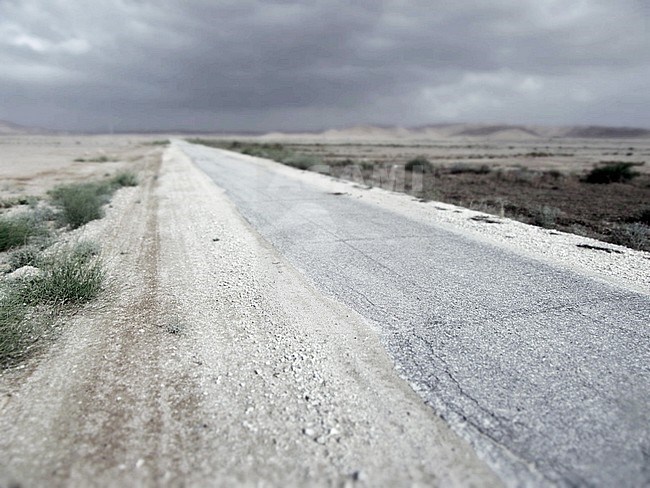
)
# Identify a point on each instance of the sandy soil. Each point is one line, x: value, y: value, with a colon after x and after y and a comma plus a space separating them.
x: 210, y: 361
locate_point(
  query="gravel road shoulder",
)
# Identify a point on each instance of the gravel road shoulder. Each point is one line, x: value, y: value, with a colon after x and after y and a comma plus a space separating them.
x: 211, y: 361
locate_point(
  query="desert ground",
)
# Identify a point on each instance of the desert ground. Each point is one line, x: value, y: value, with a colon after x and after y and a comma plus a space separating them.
x: 202, y: 362
x: 209, y: 358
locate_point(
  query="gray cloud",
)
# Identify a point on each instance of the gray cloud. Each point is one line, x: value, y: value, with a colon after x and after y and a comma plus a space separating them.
x: 252, y: 64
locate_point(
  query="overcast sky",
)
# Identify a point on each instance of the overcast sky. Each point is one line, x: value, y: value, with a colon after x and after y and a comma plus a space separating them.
x: 281, y: 65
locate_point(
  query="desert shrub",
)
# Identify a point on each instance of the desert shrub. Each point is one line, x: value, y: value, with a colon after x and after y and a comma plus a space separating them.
x: 636, y: 236
x: 18, y: 230
x: 469, y: 168
x: 80, y: 203
x: 538, y: 154
x: 73, y: 275
x: 420, y: 164
x: 15, y: 334
x: 643, y: 216
x: 24, y: 256
x: 98, y: 159
x: 301, y: 161
x: 125, y: 178
x: 546, y: 216
x: 30, y: 200
x: 617, y: 172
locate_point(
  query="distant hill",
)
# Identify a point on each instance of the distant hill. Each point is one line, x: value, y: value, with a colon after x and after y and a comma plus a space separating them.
x: 483, y: 131
x: 9, y: 128
x: 607, y: 132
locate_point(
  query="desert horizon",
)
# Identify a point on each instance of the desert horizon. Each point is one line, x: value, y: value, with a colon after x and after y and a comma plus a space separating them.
x: 369, y: 130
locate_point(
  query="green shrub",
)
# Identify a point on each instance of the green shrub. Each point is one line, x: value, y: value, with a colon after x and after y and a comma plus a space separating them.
x: 70, y: 276
x: 125, y: 178
x: 80, y: 203
x: 24, y: 256
x: 16, y: 335
x: 17, y: 231
x: 420, y: 164
x: 73, y: 275
x: 611, y: 173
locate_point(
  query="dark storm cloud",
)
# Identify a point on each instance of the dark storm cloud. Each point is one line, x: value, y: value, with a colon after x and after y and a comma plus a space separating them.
x: 279, y: 64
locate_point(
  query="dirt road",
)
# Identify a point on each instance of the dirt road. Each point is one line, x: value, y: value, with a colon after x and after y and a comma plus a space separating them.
x: 210, y: 361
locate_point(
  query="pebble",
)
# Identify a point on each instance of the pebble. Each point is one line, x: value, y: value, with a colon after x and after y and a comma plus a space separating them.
x: 359, y: 476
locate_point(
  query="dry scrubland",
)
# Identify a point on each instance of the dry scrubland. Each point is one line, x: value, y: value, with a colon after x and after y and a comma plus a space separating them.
x: 51, y: 187
x: 597, y: 188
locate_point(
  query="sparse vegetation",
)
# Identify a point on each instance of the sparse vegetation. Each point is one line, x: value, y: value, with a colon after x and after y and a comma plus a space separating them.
x: 643, y: 216
x: 19, y: 200
x: 125, y: 178
x: 275, y: 152
x: 24, y: 256
x: 419, y: 164
x: 16, y: 231
x: 612, y: 172
x: 635, y: 235
x: 301, y: 161
x: 98, y: 159
x: 529, y: 184
x: 468, y: 168
x: 48, y: 279
x: 67, y: 277
x: 82, y: 202
x: 546, y: 216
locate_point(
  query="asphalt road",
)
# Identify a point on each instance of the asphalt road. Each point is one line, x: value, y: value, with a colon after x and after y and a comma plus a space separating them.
x: 546, y: 372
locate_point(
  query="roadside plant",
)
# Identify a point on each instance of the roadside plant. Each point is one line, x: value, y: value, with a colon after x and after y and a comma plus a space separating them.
x: 69, y: 276
x: 546, y: 216
x: 125, y: 178
x: 616, y: 172
x: 419, y: 164
x: 81, y: 203
x: 635, y: 236
x: 17, y: 231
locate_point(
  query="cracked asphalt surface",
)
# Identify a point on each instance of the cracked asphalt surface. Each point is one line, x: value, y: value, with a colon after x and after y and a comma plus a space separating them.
x: 546, y: 372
